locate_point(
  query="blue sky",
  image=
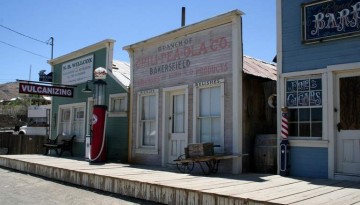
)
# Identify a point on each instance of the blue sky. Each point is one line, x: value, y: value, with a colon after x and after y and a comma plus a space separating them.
x: 78, y: 23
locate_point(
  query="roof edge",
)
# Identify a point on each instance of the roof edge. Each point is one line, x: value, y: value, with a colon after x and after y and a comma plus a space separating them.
x: 118, y: 81
x: 80, y: 52
x: 192, y: 28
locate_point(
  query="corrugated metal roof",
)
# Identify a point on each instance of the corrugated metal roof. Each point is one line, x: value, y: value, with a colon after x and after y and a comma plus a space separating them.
x: 121, y: 71
x: 259, y: 68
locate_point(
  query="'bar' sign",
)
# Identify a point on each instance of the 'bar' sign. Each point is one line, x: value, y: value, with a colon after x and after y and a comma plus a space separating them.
x: 29, y: 88
x: 325, y: 20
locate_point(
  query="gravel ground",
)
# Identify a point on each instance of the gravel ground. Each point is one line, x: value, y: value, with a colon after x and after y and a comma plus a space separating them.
x: 21, y: 188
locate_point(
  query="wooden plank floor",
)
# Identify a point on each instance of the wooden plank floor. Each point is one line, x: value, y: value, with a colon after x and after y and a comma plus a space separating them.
x: 170, y: 187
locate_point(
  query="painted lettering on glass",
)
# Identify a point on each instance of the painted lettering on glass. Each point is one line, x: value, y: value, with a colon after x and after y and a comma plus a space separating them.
x: 305, y: 92
x: 291, y: 86
x: 291, y: 99
x: 303, y: 85
x: 315, y: 98
x: 303, y: 98
x: 315, y: 84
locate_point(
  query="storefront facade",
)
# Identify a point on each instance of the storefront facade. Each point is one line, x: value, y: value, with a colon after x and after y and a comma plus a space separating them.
x: 187, y: 88
x: 318, y: 77
x: 73, y: 115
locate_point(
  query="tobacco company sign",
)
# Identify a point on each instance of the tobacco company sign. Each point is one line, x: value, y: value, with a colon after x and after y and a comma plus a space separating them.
x: 330, y: 19
x: 204, y: 53
x: 29, y: 88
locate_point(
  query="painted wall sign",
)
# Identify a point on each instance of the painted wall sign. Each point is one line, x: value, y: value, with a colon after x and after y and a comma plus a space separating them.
x: 209, y: 82
x: 330, y: 19
x: 78, y: 71
x: 204, y: 53
x: 46, y: 90
x: 306, y: 92
x: 144, y: 92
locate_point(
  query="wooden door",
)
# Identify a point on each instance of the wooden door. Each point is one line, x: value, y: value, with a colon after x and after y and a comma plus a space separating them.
x: 348, y: 123
x: 177, y: 125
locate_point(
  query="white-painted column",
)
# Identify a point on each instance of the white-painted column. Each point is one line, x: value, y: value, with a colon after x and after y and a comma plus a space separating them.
x: 237, y: 67
x: 279, y: 84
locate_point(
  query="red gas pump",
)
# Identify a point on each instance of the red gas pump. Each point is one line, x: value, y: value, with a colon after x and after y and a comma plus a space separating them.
x: 98, y: 139
x: 97, y: 149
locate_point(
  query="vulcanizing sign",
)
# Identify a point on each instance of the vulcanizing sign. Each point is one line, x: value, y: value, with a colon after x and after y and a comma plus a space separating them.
x: 29, y: 88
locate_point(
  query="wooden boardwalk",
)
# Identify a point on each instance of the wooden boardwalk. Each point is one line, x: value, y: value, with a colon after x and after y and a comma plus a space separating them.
x: 169, y: 187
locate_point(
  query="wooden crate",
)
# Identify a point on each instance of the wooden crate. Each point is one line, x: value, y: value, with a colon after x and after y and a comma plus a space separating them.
x: 199, y: 150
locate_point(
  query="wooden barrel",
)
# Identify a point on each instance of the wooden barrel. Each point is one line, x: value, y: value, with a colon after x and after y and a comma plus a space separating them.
x: 265, y: 153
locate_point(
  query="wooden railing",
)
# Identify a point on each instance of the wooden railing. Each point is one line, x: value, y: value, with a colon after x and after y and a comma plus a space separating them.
x: 22, y: 144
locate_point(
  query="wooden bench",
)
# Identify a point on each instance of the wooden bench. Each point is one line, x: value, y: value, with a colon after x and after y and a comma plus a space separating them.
x: 62, y: 142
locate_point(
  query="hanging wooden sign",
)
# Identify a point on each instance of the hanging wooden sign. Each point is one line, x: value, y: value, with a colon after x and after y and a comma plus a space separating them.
x: 29, y: 88
x: 325, y: 20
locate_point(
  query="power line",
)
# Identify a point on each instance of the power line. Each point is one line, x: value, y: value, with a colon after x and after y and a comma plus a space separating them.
x: 46, y: 42
x: 23, y: 49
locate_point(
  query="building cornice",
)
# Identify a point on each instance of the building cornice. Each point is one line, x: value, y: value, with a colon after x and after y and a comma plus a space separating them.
x: 78, y: 53
x: 186, y: 30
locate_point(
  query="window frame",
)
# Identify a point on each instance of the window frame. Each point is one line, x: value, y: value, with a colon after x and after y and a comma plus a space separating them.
x: 72, y: 107
x: 307, y: 141
x: 196, y: 112
x: 140, y: 148
x: 121, y: 113
x: 298, y: 107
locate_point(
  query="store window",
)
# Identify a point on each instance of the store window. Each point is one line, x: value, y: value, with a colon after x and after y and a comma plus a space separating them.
x: 178, y: 113
x: 118, y: 105
x: 72, y: 120
x: 65, y: 123
x: 304, y: 99
x: 147, y: 123
x: 209, y: 119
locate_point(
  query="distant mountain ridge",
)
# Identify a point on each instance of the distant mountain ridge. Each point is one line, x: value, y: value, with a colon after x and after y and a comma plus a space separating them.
x: 9, y: 90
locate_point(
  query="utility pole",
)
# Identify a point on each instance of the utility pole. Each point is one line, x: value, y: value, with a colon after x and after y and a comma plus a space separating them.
x: 52, y: 47
x: 30, y: 73
x: 29, y: 80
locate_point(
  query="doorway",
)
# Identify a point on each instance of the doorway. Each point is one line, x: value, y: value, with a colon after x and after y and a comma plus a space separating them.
x: 176, y: 122
x: 347, y: 117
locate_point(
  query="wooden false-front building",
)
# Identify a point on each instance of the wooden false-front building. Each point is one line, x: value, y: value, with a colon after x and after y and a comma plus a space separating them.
x: 190, y: 86
x: 73, y: 115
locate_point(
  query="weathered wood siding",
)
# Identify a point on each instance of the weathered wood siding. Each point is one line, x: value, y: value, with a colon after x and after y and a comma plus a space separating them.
x: 116, y: 127
x: 258, y: 116
x: 166, y: 187
x: 301, y: 57
x: 22, y: 144
x: 314, y: 161
x: 309, y: 162
x: 198, y: 57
